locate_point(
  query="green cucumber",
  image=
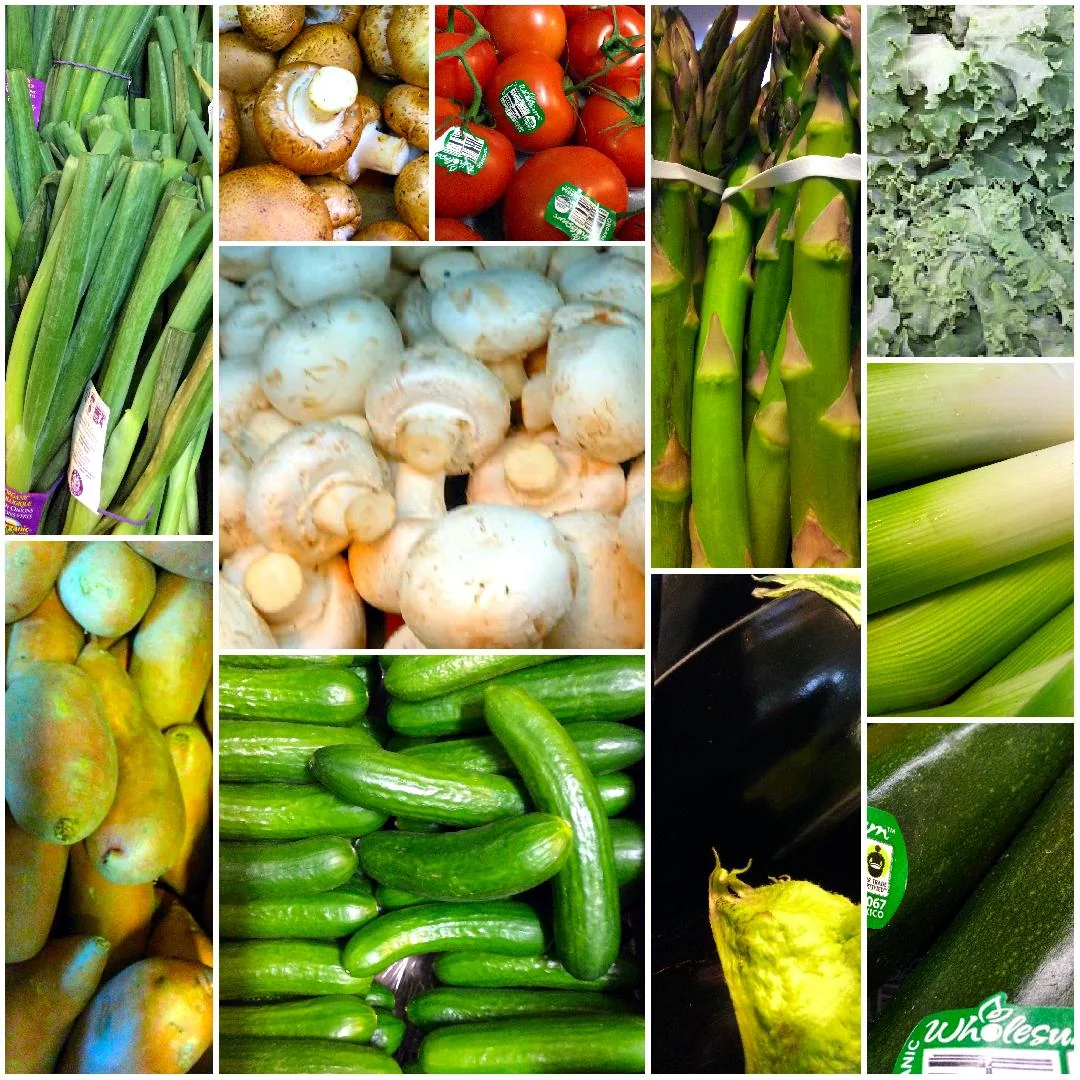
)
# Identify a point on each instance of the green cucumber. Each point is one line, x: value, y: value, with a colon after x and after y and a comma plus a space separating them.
x: 258, y: 970
x: 379, y: 996
x: 336, y: 1016
x: 271, y: 661
x: 1013, y: 936
x: 418, y: 678
x: 617, y: 792
x: 563, y: 1044
x: 389, y: 1031
x: 959, y: 792
x: 289, y: 812
x: 489, y: 862
x: 604, y: 746
x: 321, y: 917
x: 407, y: 824
x: 577, y: 688
x: 298, y: 868
x: 247, y: 1054
x: 586, y: 890
x: 539, y: 972
x: 390, y: 899
x: 453, y: 1005
x: 628, y: 843
x: 256, y: 750
x: 503, y: 926
x: 319, y: 696
x: 395, y: 784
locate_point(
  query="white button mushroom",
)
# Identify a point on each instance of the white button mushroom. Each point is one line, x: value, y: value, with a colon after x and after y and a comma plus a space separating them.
x: 403, y: 638
x: 240, y: 626
x: 243, y: 330
x: 440, y: 411
x: 605, y: 279
x: 238, y: 262
x: 440, y: 267
x: 232, y: 483
x: 549, y: 475
x: 316, y: 489
x: 608, y: 611
x: 306, y: 275
x: 240, y: 394
x: 487, y: 577
x: 632, y: 519
x: 317, y: 362
x: 413, y: 311
x: 519, y: 257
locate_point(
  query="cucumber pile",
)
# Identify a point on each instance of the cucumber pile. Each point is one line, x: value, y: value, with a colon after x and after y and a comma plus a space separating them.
x: 477, y: 823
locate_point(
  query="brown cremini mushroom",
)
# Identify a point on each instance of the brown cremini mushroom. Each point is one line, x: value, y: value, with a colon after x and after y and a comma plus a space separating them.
x: 386, y: 232
x: 345, y: 15
x: 268, y: 202
x: 243, y: 67
x: 307, y: 117
x: 271, y: 26
x: 326, y: 44
x: 411, y: 195
x: 252, y: 151
x: 228, y: 131
x: 340, y: 201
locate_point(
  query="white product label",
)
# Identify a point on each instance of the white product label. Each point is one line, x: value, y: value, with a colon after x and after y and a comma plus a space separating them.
x: 88, y: 449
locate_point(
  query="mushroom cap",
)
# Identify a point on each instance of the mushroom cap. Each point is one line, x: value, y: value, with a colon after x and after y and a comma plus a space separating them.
x: 243, y: 330
x: 317, y: 362
x: 412, y: 195
x: 413, y: 312
x: 306, y: 275
x: 239, y: 263
x: 407, y: 113
x: 496, y: 314
x: 380, y: 232
x: 632, y: 528
x: 243, y: 67
x: 271, y: 26
x: 268, y: 202
x: 442, y: 266
x: 228, y: 131
x: 487, y: 577
x: 403, y: 638
x: 347, y: 15
x: 606, y: 279
x: 240, y: 626
x: 329, y: 614
x: 293, y: 133
x: 325, y: 44
x: 517, y: 257
x: 343, y: 205
x: 407, y: 37
x: 371, y: 33
x: 252, y: 151
x: 439, y: 410
x: 239, y: 394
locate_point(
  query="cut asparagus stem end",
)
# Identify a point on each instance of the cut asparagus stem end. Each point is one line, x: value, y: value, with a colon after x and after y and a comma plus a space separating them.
x: 370, y: 516
x: 536, y: 403
x: 273, y: 582
x: 531, y: 468
x: 428, y: 445
x: 331, y: 90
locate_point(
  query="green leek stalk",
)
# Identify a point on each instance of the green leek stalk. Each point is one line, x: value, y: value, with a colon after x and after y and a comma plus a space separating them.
x: 815, y: 367
x: 60, y: 76
x: 12, y: 217
x: 44, y: 22
x: 939, y: 534
x: 18, y: 38
x: 1056, y: 696
x: 931, y: 419
x: 922, y: 653
x: 97, y: 30
x: 719, y: 529
x: 27, y: 163
x: 57, y: 321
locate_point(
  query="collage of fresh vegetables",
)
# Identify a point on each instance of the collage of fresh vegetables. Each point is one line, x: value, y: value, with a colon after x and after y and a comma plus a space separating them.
x: 412, y: 410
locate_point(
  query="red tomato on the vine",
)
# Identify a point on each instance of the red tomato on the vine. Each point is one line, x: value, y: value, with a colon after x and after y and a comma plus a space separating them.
x: 590, y: 46
x: 449, y: 229
x: 573, y: 12
x: 527, y: 28
x: 608, y: 125
x: 631, y: 228
x: 451, y: 78
x: 528, y: 100
x: 536, y: 181
x: 460, y: 193
x: 462, y: 23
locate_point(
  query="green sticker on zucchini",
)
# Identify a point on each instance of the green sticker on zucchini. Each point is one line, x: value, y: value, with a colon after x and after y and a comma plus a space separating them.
x: 886, y: 867
x: 995, y: 1038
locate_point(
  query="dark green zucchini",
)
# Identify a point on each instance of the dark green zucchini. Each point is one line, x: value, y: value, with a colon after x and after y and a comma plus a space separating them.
x: 261, y: 970
x: 316, y: 696
x: 628, y: 843
x: 458, y: 1005
x: 289, y: 812
x: 247, y: 1054
x: 577, y: 688
x: 563, y: 1044
x: 503, y: 926
x: 604, y: 745
x: 959, y: 792
x: 420, y: 677
x: 540, y: 972
x: 489, y: 862
x: 336, y: 1016
x: 1015, y: 934
x: 295, y: 868
x: 389, y: 1032
x: 586, y: 891
x: 324, y: 916
x: 395, y: 784
x: 250, y: 751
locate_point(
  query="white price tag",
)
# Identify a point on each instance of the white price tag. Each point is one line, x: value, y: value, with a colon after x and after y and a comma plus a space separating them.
x: 88, y: 449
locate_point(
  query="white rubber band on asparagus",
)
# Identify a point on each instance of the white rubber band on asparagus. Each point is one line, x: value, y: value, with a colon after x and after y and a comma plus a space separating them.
x: 848, y: 167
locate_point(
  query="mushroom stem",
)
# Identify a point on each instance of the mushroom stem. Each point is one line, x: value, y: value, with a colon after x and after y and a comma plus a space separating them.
x: 429, y: 443
x: 377, y: 151
x: 532, y: 469
x: 354, y: 511
x: 536, y: 403
x: 331, y: 90
x: 274, y: 582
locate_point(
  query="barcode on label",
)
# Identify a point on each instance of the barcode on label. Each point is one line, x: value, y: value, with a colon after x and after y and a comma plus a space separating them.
x: 992, y: 1062
x: 463, y: 144
x: 588, y: 216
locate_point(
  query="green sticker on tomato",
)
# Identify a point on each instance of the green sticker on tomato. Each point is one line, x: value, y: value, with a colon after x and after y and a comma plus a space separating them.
x: 571, y: 211
x: 886, y: 867
x: 521, y: 108
x: 458, y: 150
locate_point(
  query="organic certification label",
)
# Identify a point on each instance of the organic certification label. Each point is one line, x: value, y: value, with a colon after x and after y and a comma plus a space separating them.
x: 571, y: 211
x: 458, y: 150
x: 886, y: 867
x: 996, y: 1038
x: 23, y: 511
x: 521, y: 107
x: 88, y: 449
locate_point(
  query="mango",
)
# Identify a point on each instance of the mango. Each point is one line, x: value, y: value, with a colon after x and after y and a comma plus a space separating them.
x: 188, y: 558
x: 193, y: 760
x: 47, y: 633
x: 30, y: 571
x: 172, y: 653
x: 33, y: 880
x: 106, y: 587
x: 44, y: 996
x: 61, y: 757
x: 144, y: 828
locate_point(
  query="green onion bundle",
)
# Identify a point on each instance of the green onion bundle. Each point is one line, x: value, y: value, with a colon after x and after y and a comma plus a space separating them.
x: 970, y: 540
x: 108, y: 222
